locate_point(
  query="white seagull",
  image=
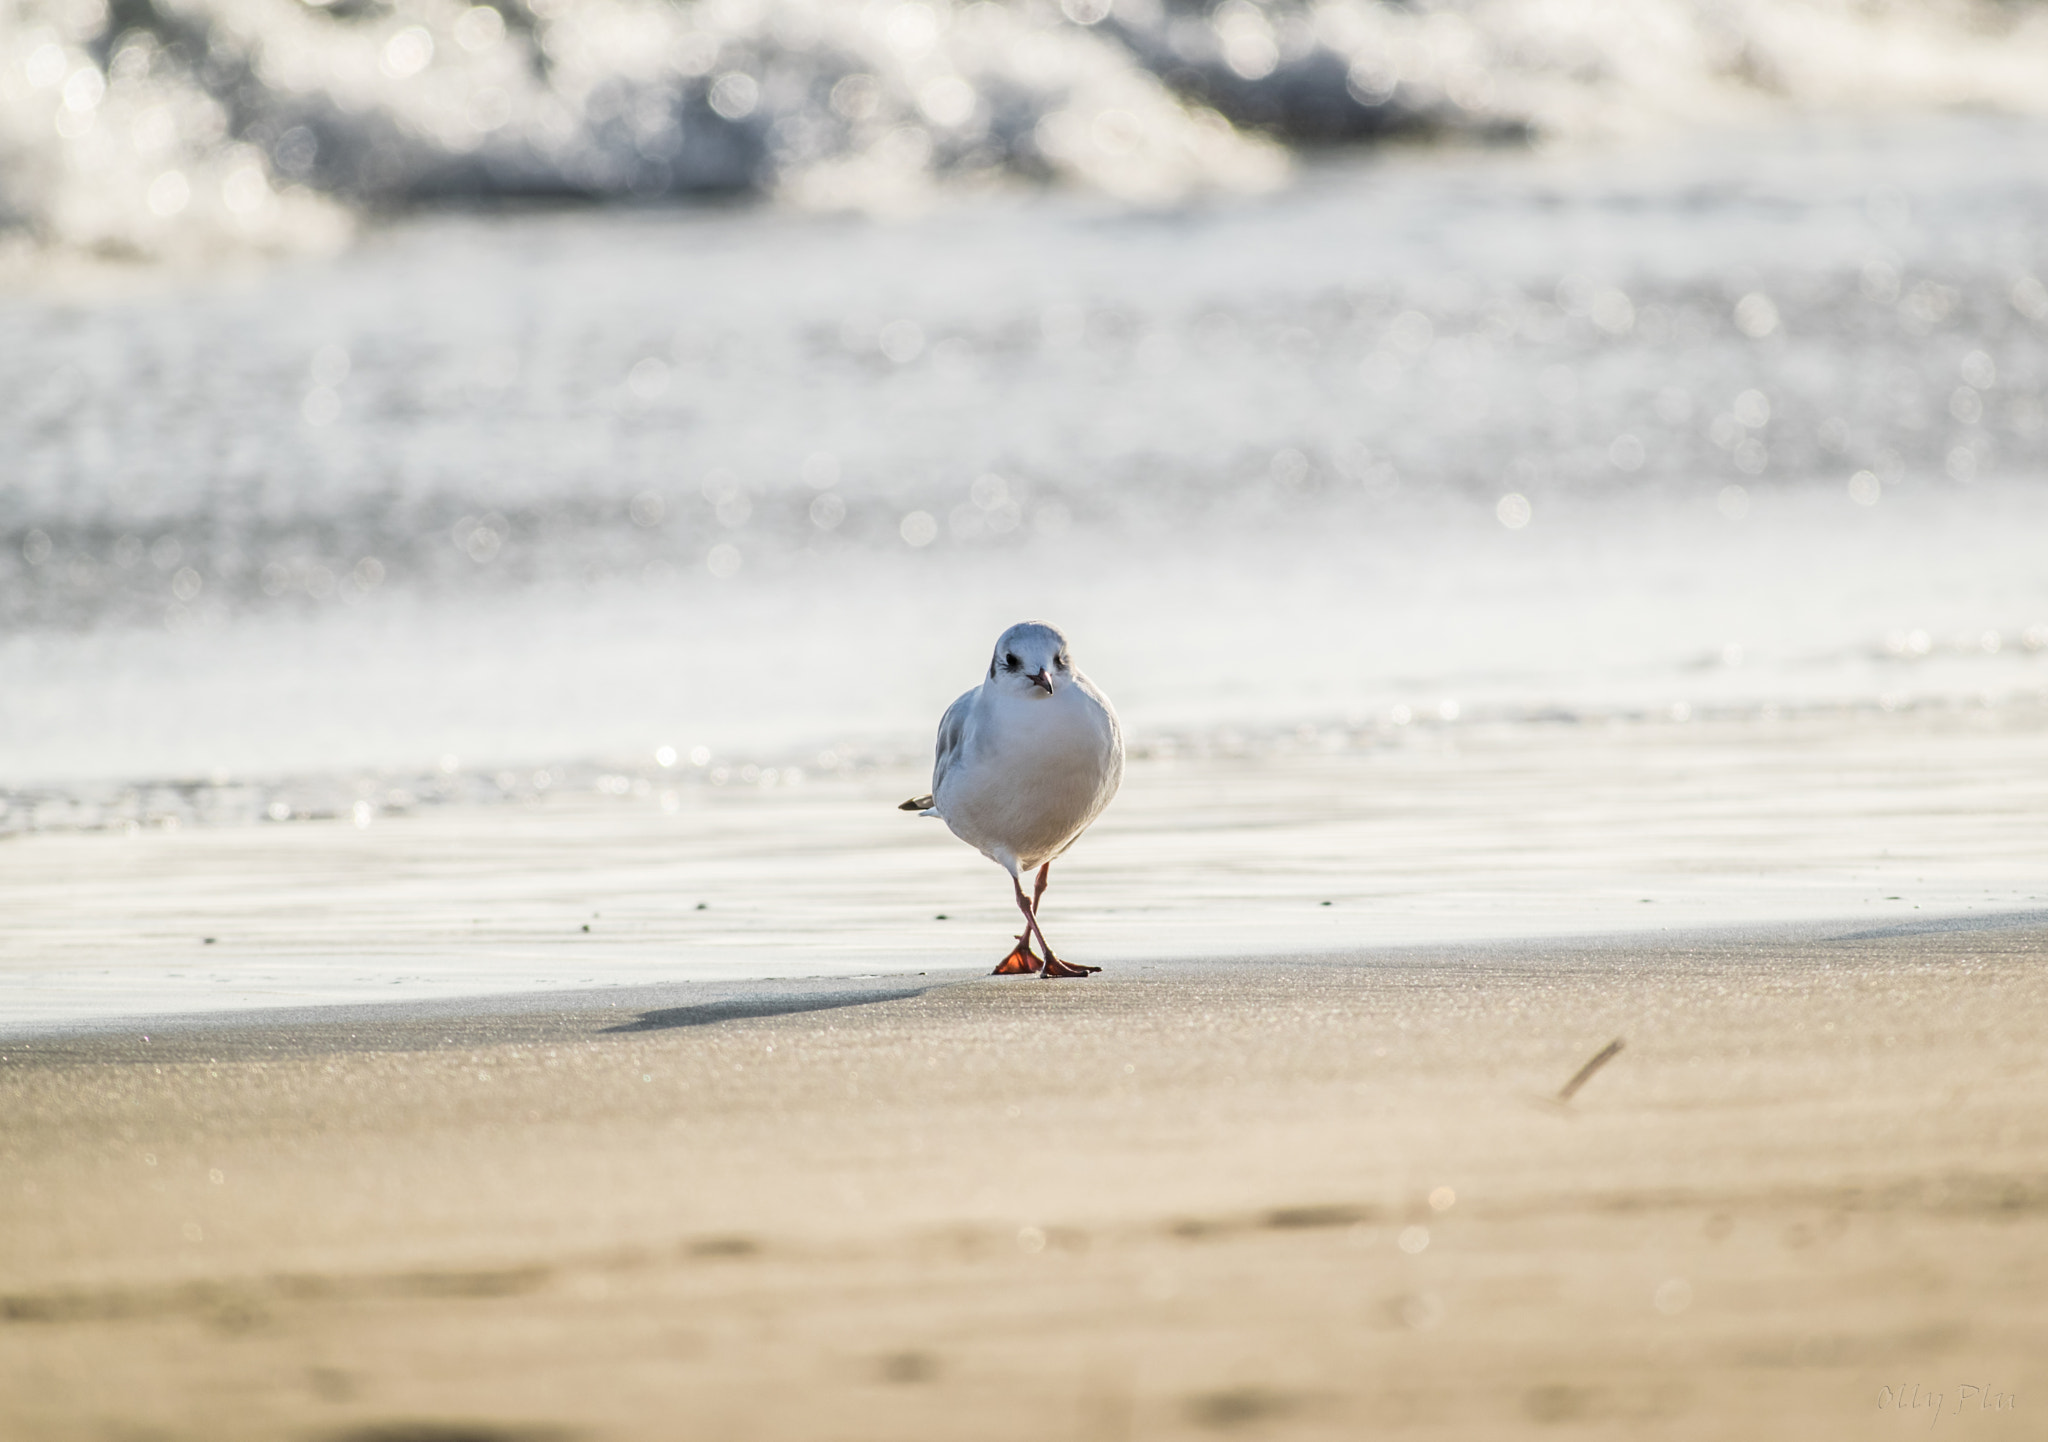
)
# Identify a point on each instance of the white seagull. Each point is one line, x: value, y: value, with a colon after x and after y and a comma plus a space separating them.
x: 1025, y: 761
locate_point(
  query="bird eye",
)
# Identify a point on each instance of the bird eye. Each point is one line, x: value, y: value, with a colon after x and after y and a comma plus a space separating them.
x: 1010, y: 662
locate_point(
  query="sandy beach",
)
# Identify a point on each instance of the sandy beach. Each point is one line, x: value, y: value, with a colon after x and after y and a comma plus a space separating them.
x: 1313, y: 1196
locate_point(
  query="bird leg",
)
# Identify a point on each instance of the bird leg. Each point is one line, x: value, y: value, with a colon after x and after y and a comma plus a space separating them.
x: 1022, y: 959
x: 1054, y: 967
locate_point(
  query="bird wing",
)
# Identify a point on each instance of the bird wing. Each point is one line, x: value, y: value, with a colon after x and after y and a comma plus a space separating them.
x: 952, y: 740
x: 952, y: 743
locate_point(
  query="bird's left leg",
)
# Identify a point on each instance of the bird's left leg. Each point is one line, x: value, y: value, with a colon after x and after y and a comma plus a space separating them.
x: 1021, y: 960
x: 1054, y: 967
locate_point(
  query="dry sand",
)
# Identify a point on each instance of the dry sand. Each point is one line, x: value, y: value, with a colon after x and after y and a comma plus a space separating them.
x: 1301, y: 1198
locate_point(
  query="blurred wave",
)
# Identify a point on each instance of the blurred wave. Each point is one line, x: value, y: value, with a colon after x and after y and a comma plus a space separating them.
x: 176, y: 127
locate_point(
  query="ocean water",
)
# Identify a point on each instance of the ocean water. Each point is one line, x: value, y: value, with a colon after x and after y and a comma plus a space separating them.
x: 420, y: 412
x: 1746, y: 419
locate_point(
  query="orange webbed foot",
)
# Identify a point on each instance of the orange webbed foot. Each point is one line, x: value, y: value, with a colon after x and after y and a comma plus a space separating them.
x: 1020, y: 962
x: 1054, y: 967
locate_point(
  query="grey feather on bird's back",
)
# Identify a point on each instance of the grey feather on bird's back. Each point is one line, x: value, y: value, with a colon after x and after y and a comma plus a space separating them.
x: 951, y: 734
x: 952, y: 730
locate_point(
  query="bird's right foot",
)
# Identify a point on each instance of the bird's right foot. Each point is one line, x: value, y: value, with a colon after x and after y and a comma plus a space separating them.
x: 1021, y: 961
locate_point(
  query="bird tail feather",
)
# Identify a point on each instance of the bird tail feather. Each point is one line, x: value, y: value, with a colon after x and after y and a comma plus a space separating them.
x: 921, y: 803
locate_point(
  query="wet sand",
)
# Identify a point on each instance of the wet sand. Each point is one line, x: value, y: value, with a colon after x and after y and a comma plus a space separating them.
x: 1296, y: 1197
x: 1306, y: 843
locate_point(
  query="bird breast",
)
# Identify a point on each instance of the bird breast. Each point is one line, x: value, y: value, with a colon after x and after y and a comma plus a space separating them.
x: 1043, y: 769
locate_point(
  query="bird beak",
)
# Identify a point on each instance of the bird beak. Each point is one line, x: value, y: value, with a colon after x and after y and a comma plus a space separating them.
x: 1043, y: 679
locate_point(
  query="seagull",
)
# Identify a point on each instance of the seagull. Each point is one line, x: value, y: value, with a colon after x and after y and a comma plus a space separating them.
x: 1026, y: 760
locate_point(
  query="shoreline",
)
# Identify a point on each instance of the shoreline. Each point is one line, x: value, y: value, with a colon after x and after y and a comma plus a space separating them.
x: 1427, y: 837
x: 736, y: 998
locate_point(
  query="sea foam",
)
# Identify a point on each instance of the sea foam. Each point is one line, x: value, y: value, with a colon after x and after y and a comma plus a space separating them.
x: 178, y: 127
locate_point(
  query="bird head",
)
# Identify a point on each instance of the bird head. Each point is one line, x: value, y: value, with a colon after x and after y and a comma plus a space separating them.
x: 1031, y: 659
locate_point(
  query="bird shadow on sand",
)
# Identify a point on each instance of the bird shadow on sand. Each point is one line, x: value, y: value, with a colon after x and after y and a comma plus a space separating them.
x: 745, y: 1008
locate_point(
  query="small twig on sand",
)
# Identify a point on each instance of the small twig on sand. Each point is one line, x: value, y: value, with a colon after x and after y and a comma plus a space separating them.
x: 1584, y: 1074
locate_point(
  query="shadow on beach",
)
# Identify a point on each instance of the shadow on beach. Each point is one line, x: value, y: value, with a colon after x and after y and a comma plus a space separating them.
x: 748, y: 1008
